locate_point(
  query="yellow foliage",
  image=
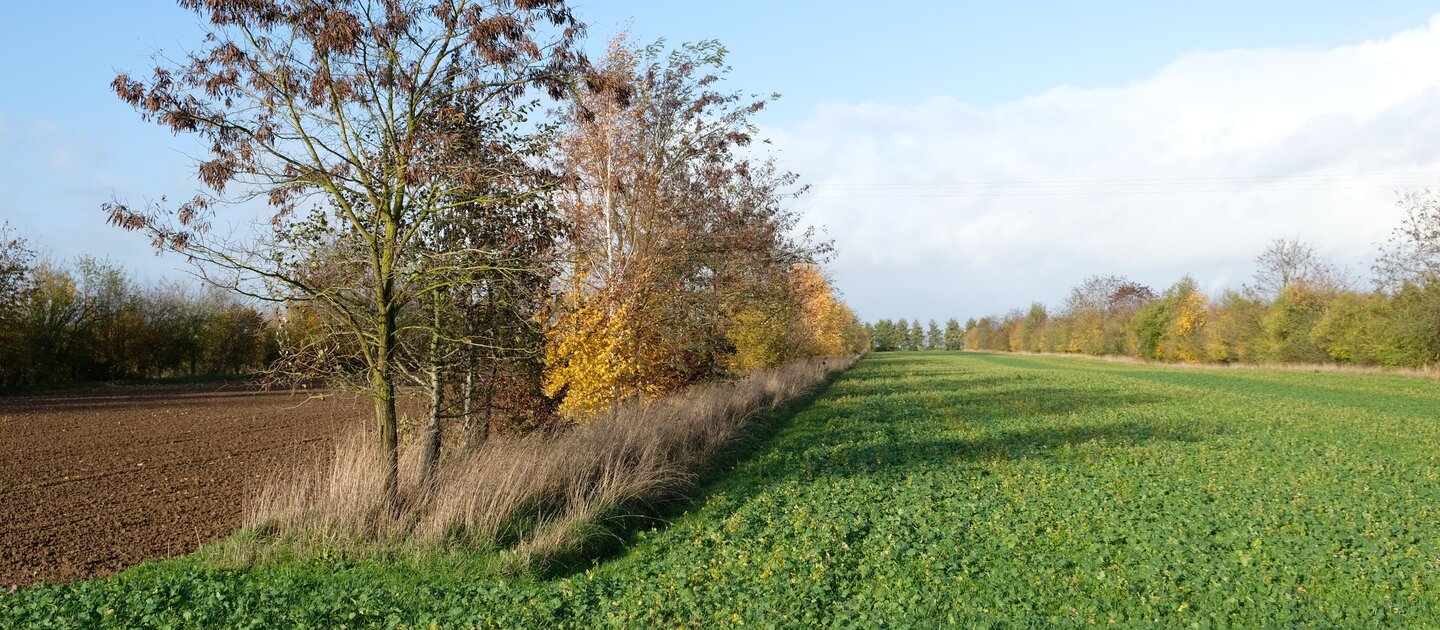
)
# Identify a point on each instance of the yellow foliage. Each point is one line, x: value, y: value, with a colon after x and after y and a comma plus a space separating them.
x: 1192, y: 315
x: 1086, y: 339
x: 601, y: 348
x: 803, y: 320
x: 762, y: 336
x: 1183, y: 340
x: 822, y: 318
x: 593, y: 354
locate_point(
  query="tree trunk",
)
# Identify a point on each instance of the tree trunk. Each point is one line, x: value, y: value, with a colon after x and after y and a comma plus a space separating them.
x: 433, y: 429
x: 382, y: 370
x: 467, y: 399
x: 383, y: 384
x: 489, y: 401
x: 610, y: 272
x: 437, y: 397
x: 480, y: 434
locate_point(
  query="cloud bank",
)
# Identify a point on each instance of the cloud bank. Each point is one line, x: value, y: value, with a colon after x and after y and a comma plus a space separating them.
x: 944, y: 209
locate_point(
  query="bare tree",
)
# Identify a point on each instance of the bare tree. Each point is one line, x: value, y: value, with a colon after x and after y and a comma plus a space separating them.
x: 349, y: 105
x: 1104, y: 294
x: 1412, y: 254
x: 16, y: 259
x: 1289, y: 261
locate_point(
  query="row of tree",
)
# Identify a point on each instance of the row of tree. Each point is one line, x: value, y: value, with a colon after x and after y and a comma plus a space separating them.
x: 89, y: 321
x: 467, y: 204
x: 886, y: 335
x: 1299, y: 310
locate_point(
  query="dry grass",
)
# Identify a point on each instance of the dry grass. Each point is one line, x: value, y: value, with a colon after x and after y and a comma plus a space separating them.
x: 534, y: 497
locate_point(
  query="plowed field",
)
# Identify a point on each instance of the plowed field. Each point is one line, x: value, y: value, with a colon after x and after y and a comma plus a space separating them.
x: 95, y: 481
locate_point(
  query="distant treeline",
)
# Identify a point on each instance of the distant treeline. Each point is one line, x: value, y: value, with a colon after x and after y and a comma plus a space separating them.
x: 90, y: 321
x: 1300, y: 309
x: 887, y: 335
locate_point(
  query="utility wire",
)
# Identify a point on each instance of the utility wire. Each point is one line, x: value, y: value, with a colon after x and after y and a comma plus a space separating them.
x: 1431, y: 175
x: 1128, y: 186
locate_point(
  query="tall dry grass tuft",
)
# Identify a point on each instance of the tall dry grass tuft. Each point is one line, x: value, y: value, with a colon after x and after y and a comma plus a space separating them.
x: 534, y: 496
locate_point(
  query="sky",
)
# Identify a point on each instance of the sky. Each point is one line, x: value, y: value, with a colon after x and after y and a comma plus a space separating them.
x: 966, y: 158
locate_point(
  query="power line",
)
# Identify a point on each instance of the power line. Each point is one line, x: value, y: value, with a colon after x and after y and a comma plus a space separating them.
x: 1258, y: 179
x: 1129, y: 186
x: 1091, y: 193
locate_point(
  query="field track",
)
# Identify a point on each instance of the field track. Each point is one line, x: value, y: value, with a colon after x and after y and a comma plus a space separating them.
x: 95, y: 481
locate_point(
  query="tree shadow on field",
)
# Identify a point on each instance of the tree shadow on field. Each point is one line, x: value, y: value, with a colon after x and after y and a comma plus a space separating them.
x: 1019, y: 402
x: 982, y: 400
x: 908, y: 455
x: 624, y: 530
x: 870, y: 425
x: 972, y: 424
x: 916, y: 377
x: 892, y: 432
x: 888, y: 385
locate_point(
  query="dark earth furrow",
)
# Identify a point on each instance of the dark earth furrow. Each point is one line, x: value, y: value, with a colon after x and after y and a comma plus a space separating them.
x: 99, y: 480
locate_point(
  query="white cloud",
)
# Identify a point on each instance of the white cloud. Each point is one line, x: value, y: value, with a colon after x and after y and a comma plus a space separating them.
x: 1293, y: 114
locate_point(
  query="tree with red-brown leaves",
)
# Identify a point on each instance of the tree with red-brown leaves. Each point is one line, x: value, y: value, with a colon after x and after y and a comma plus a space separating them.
x: 353, y: 109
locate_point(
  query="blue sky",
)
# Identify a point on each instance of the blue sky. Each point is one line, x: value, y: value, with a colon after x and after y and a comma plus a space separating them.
x: 983, y: 53
x: 879, y: 109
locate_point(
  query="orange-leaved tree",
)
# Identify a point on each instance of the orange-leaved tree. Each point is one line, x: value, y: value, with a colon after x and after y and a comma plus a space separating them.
x: 674, y: 228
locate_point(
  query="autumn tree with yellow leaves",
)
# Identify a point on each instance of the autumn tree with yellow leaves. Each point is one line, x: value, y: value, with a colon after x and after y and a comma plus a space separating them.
x: 804, y: 319
x: 680, y: 252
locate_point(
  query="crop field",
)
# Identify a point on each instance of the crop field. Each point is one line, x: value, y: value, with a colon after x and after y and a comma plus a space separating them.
x: 94, y: 481
x: 933, y: 489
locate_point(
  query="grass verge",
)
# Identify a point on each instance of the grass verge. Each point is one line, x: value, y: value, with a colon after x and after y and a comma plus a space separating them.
x: 532, y: 499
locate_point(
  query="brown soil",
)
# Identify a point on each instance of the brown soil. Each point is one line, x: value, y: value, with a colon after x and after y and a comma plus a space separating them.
x: 94, y: 481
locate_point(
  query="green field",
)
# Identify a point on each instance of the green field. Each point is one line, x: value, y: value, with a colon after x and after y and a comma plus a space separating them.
x: 931, y: 489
